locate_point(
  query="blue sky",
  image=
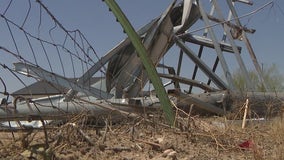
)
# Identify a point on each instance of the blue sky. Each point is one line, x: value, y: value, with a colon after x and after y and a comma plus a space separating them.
x: 99, y: 26
x: 103, y: 32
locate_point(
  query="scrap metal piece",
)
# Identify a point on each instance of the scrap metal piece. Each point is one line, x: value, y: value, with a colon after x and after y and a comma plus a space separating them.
x: 207, y: 42
x: 248, y: 45
x: 122, y: 47
x: 245, y: 1
x: 142, y: 52
x: 96, y: 67
x: 200, y: 51
x: 195, y: 83
x: 206, y: 101
x: 42, y: 108
x: 230, y: 24
x: 125, y: 72
x: 234, y: 47
x: 157, y: 47
x: 217, y: 47
x: 129, y: 66
x: 219, y: 82
x: 40, y: 73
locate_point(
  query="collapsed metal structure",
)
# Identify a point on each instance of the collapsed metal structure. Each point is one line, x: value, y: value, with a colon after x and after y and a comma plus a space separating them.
x: 121, y: 88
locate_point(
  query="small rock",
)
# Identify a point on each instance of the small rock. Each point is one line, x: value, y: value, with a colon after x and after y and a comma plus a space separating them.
x: 160, y: 140
x: 40, y: 149
x: 26, y: 153
x: 138, y: 147
x: 172, y: 154
x: 141, y: 135
x: 167, y: 152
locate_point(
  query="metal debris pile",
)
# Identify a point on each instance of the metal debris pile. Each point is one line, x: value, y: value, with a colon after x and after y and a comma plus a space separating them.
x: 115, y: 83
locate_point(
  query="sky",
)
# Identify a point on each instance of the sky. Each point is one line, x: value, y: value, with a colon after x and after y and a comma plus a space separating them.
x: 98, y: 24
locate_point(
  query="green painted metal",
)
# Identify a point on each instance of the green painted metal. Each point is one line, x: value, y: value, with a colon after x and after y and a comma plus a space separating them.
x: 149, y: 66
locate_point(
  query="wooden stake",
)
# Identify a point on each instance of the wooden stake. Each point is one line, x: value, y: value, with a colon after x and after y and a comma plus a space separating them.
x: 245, y: 114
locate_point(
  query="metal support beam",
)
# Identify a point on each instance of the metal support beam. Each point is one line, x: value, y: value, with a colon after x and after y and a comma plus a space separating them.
x: 147, y: 63
x: 200, y: 51
x: 203, y: 41
x: 196, y: 67
x: 36, y: 109
x: 217, y: 47
x: 171, y: 71
x: 156, y: 42
x: 200, y: 64
x: 245, y: 1
x: 222, y: 21
x: 113, y: 52
x: 179, y: 66
x: 215, y: 65
x: 200, y: 103
x: 234, y: 47
x: 248, y: 45
x: 223, y: 40
x: 96, y: 67
x: 188, y: 81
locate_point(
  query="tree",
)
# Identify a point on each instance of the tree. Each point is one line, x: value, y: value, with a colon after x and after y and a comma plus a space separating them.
x: 272, y: 78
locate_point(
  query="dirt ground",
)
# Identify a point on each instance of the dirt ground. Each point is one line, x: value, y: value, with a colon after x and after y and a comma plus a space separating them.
x: 148, y: 138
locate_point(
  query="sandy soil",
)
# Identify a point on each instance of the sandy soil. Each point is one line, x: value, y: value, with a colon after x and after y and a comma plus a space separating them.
x: 151, y: 138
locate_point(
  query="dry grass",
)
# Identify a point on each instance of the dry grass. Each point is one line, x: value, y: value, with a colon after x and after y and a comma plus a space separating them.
x: 149, y: 138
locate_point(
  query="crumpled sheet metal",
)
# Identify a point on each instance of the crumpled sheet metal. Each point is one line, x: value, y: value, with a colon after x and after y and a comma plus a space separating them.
x: 125, y: 71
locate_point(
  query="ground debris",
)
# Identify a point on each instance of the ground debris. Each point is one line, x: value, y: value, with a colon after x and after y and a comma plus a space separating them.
x: 202, y: 140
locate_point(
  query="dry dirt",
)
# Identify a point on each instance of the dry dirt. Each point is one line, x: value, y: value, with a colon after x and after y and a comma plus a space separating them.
x: 148, y: 138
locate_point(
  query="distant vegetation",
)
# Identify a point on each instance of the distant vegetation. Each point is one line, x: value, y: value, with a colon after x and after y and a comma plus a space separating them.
x: 271, y: 75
